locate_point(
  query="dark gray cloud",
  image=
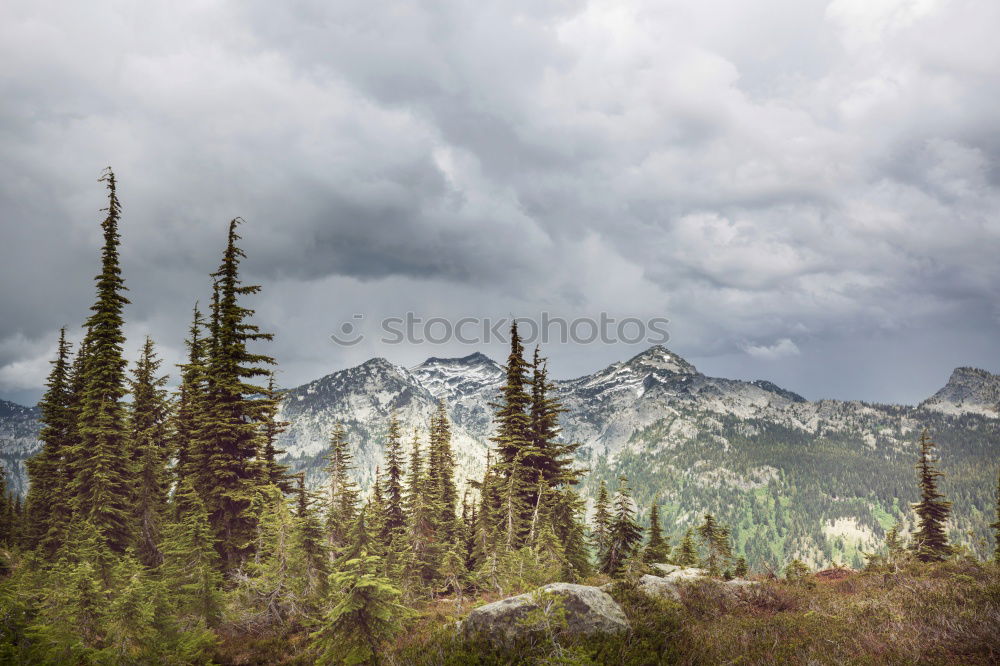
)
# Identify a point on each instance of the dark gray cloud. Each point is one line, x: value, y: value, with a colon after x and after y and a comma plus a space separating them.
x: 808, y: 190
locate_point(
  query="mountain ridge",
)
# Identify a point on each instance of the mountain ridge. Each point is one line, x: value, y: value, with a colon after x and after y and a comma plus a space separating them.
x: 812, y: 479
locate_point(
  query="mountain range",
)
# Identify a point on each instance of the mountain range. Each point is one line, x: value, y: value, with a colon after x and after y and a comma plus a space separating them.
x: 818, y: 480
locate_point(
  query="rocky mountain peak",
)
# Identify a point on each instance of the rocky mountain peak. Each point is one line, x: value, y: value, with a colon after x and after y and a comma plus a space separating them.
x: 476, y: 359
x: 969, y: 390
x: 450, y: 379
x: 660, y: 358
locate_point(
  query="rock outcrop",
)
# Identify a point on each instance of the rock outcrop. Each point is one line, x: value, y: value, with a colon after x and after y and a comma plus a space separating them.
x: 588, y: 611
x: 668, y: 585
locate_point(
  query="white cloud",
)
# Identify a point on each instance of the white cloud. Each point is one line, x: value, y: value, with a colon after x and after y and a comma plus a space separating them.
x: 751, y: 170
x: 782, y: 348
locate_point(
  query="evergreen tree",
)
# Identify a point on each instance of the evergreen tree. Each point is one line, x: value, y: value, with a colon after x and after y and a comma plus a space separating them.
x: 566, y: 519
x: 453, y: 571
x: 715, y: 539
x: 930, y: 543
x: 441, y: 477
x: 996, y: 525
x: 359, y: 538
x: 555, y: 460
x: 344, y: 494
x: 414, y: 475
x: 6, y: 515
x: 488, y: 515
x: 657, y: 549
x: 190, y: 560
x: 624, y: 534
x: 270, y: 591
x: 150, y: 452
x: 467, y: 545
x: 602, y: 521
x: 272, y: 472
x: 513, y: 440
x: 236, y: 410
x: 423, y: 516
x: 364, y: 613
x: 189, y: 416
x: 894, y: 549
x: 376, y: 509
x: 69, y: 627
x: 741, y: 570
x: 130, y: 626
x: 101, y: 485
x: 49, y: 507
x: 687, y: 555
x: 395, y: 518
x: 310, y: 540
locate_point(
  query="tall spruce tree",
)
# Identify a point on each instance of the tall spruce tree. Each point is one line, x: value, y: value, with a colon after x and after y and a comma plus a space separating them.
x: 467, y: 546
x: 422, y: 519
x: 102, y: 478
x: 190, y: 560
x: 625, y: 533
x: 602, y: 521
x: 62, y: 513
x: 189, y: 415
x: 414, y: 474
x: 395, y: 517
x: 554, y: 459
x: 441, y: 476
x: 376, y: 509
x: 236, y: 410
x: 930, y: 542
x: 272, y: 472
x: 310, y: 539
x: 488, y: 516
x: 657, y: 549
x: 513, y: 441
x: 566, y: 519
x: 342, y: 507
x: 48, y: 493
x: 148, y: 416
x: 996, y: 526
x: 6, y: 516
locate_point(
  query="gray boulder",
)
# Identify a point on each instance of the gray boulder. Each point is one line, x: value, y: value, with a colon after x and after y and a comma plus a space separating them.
x: 588, y: 611
x: 656, y: 586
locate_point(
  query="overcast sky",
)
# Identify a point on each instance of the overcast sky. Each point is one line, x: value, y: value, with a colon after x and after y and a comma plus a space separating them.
x: 809, y: 191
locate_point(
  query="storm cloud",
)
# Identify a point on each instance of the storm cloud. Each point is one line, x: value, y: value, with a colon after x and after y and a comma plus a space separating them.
x: 809, y: 191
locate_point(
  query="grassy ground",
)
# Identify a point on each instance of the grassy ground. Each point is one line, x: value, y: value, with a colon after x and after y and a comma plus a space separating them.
x: 921, y: 614
x: 940, y: 614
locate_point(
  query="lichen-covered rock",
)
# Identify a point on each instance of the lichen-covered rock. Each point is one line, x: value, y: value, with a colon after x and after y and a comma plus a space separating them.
x: 664, y: 569
x: 674, y: 572
x: 588, y: 611
x: 657, y: 586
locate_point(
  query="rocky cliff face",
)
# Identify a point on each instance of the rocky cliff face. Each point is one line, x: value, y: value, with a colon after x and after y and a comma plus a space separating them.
x: 18, y: 442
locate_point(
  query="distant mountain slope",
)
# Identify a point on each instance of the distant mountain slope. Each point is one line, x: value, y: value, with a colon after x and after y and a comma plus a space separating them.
x: 362, y: 399
x: 818, y: 480
x: 18, y: 442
